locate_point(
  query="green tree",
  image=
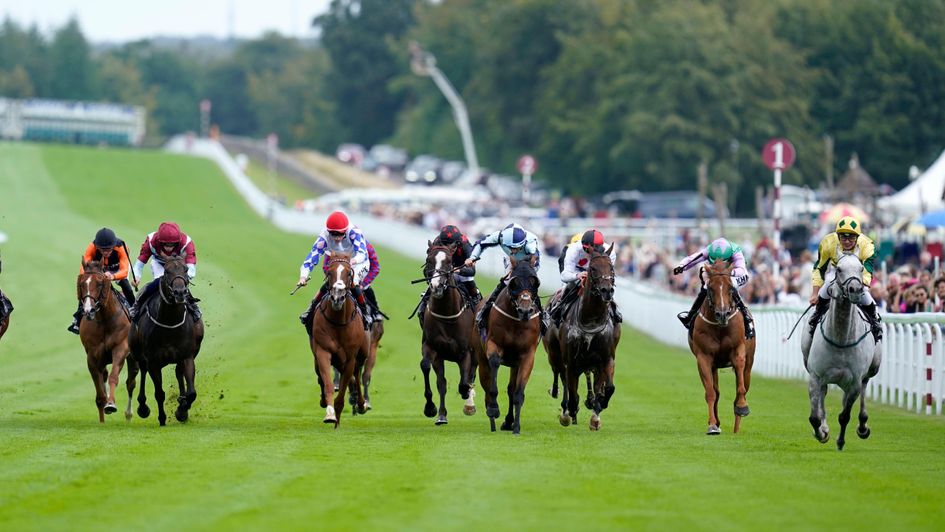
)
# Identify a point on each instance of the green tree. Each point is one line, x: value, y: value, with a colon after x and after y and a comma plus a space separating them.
x: 73, y: 71
x: 16, y: 83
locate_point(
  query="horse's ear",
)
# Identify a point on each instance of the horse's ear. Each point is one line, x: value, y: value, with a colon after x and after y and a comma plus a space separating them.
x: 609, y: 249
x: 429, y: 244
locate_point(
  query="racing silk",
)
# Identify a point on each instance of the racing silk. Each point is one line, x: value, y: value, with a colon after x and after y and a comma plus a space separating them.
x: 353, y: 243
x: 530, y: 249
x: 117, y: 263
x: 463, y: 251
x: 739, y: 270
x: 830, y: 251
x: 576, y: 259
x: 149, y: 250
x: 374, y: 268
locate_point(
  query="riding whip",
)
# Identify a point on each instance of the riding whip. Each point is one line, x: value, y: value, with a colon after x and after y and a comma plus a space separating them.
x: 785, y: 339
x: 297, y: 287
x: 428, y: 279
x: 128, y: 255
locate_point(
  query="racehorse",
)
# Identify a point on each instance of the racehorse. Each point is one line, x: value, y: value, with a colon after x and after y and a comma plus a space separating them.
x: 586, y: 343
x: 449, y: 333
x: 511, y: 339
x: 104, y: 334
x: 167, y: 333
x: 376, y: 333
x: 338, y: 339
x: 5, y: 321
x: 841, y: 351
x: 717, y: 339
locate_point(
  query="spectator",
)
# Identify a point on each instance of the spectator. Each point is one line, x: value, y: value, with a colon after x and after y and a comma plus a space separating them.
x: 939, y: 300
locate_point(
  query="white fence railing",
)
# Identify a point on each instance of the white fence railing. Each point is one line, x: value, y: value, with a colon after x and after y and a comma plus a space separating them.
x: 912, y: 374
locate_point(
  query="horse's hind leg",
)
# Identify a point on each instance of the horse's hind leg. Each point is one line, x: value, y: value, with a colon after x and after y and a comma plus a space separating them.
x: 509, y: 421
x: 98, y: 381
x: 187, y: 371
x: 850, y: 396
x: 130, y: 385
x: 741, y: 386
x: 818, y: 417
x: 704, y: 365
x: 441, y: 387
x: 589, y: 399
x: 488, y: 375
x: 366, y: 375
x: 429, y: 409
x: 863, y: 430
x: 521, y: 380
x: 118, y: 362
x: 346, y: 375
x: 156, y: 378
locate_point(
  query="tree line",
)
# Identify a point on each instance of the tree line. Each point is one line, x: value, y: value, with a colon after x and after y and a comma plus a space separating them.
x: 607, y: 94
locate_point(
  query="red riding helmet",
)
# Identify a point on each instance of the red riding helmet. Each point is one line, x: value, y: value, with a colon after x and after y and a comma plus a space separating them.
x: 337, y: 222
x: 168, y: 233
x: 592, y: 239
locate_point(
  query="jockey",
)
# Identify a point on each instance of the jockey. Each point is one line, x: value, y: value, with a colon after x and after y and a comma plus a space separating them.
x: 450, y: 235
x: 574, y: 271
x: 338, y: 236
x: 576, y: 237
x: 113, y: 254
x: 719, y: 249
x: 6, y: 306
x: 375, y: 268
x: 518, y: 244
x: 848, y: 238
x: 167, y: 240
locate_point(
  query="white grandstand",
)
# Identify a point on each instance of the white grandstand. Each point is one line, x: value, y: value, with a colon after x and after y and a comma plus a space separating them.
x: 71, y: 122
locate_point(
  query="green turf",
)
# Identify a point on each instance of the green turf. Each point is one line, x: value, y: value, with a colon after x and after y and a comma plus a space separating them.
x: 255, y: 454
x: 287, y: 189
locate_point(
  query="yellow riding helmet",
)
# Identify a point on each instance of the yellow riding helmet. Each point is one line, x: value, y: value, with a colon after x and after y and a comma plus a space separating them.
x: 850, y: 225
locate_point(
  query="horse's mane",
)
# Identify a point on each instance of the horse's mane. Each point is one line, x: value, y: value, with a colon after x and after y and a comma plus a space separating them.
x: 93, y: 266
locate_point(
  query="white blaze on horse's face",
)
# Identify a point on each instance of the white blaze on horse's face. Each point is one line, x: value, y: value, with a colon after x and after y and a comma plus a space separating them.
x: 338, y: 288
x: 439, y: 281
x: 87, y: 299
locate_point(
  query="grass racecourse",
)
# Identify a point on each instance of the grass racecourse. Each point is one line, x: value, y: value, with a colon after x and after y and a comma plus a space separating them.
x: 255, y: 454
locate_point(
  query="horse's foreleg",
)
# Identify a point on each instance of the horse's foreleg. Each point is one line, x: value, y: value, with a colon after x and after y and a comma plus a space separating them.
x: 509, y: 421
x: 704, y: 364
x: 571, y: 376
x: 741, y: 387
x: 850, y: 396
x: 441, y: 389
x: 99, y: 383
x: 609, y: 387
x: 358, y: 404
x: 429, y: 409
x: 367, y: 373
x: 143, y: 410
x: 323, y: 371
x: 521, y: 380
x: 347, y: 372
x: 488, y: 376
x: 818, y: 419
x: 156, y: 378
x: 118, y: 362
x: 130, y: 385
x: 863, y: 430
x: 589, y: 398
x: 188, y: 394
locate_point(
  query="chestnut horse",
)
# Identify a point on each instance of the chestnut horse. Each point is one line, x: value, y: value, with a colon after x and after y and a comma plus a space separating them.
x: 104, y: 334
x: 167, y: 333
x: 586, y: 342
x: 339, y: 340
x: 449, y: 333
x: 511, y: 339
x: 717, y: 339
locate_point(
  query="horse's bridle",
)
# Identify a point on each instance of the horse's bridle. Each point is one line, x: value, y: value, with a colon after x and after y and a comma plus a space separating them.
x: 450, y: 282
x: 596, y: 279
x: 348, y: 284
x: 96, y: 301
x: 709, y: 299
x: 170, y: 286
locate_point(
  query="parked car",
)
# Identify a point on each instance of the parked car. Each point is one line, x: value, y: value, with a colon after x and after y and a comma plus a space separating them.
x: 423, y: 169
x: 673, y: 204
x: 389, y: 157
x: 351, y: 153
x: 452, y: 170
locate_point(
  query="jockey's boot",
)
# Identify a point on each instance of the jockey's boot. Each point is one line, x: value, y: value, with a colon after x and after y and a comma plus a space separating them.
x: 688, y: 317
x: 365, y: 311
x: 615, y: 313
x: 422, y: 307
x: 74, y: 327
x: 305, y: 317
x: 746, y: 315
x: 482, y: 317
x: 872, y: 316
x: 541, y: 316
x: 823, y: 305
x: 193, y: 308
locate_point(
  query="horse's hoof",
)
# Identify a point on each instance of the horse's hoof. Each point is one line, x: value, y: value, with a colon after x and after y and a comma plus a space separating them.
x: 330, y: 416
x: 589, y: 403
x: 492, y: 423
x: 564, y: 419
x: 863, y: 434
x: 128, y: 415
x: 367, y: 406
x: 110, y: 408
x: 162, y: 421
x: 742, y: 411
x: 822, y: 439
x: 362, y: 409
x: 553, y: 393
x: 180, y: 415
x: 323, y: 403
x: 714, y: 430
x: 143, y: 411
x: 507, y: 425
x: 840, y: 444
x: 469, y: 410
x: 440, y: 421
x: 594, y: 423
x: 492, y: 411
x: 429, y: 410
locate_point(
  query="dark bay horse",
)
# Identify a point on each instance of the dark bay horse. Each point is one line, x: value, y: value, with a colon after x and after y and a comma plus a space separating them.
x: 339, y: 340
x: 449, y: 334
x: 104, y: 334
x: 167, y: 333
x: 587, y: 342
x: 511, y: 340
x: 717, y: 339
x: 5, y: 320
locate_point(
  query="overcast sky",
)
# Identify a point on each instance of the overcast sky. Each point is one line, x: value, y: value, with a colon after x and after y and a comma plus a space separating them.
x: 124, y: 20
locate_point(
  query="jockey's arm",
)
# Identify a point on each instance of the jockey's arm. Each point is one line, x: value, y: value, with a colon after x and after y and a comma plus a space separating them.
x: 824, y: 254
x: 123, y: 264
x: 739, y: 269
x: 311, y: 260
x: 488, y: 241
x: 571, y: 257
x: 691, y: 260
x: 190, y: 258
x: 868, y: 257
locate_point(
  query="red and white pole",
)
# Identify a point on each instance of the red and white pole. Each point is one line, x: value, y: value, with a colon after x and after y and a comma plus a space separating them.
x: 928, y: 375
x: 776, y: 215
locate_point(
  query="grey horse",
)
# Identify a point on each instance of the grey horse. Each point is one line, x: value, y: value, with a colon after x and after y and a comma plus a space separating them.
x: 841, y: 351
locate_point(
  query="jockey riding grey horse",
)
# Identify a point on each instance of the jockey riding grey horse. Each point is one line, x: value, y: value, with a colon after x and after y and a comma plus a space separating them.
x: 841, y: 351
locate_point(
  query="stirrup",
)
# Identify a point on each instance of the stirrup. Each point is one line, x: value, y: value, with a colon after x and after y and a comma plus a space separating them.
x: 684, y: 318
x: 73, y: 328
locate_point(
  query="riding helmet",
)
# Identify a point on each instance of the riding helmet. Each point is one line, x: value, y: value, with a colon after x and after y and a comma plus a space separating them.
x: 105, y: 238
x: 721, y: 249
x: 849, y: 225
x: 450, y: 234
x: 337, y: 222
x: 513, y: 236
x: 169, y: 233
x: 592, y: 239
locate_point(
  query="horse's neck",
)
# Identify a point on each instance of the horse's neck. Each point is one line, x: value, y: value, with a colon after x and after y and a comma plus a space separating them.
x: 449, y: 303
x: 341, y: 314
x: 840, y: 321
x: 593, y: 309
x: 167, y: 309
